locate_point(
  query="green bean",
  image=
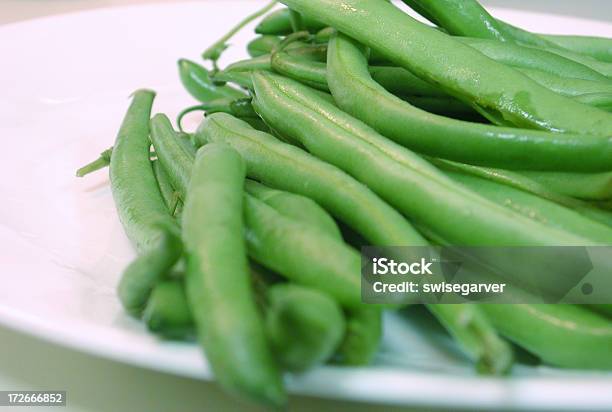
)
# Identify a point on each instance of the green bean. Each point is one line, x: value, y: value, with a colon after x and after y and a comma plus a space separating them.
x: 311, y: 74
x: 289, y: 168
x: 336, y: 271
x: 354, y: 91
x: 537, y: 209
x: 401, y: 82
x: 296, y: 207
x: 214, y: 52
x: 279, y: 23
x: 591, y: 186
x: 531, y: 58
x: 241, y: 78
x: 602, y: 101
x: 522, y: 181
x: 460, y: 70
x: 561, y: 335
x: 217, y: 279
x: 185, y: 140
x: 470, y: 327
x: 198, y: 83
x: 567, y: 86
x: 242, y: 108
x: 601, y: 67
x: 265, y: 44
x: 304, y: 326
x: 597, y: 47
x: 170, y: 196
x: 469, y: 18
x: 257, y: 124
x: 139, y: 203
x: 263, y: 62
x: 269, y: 234
x: 459, y: 18
x: 168, y: 149
x: 167, y: 312
x: 100, y: 163
x: 363, y: 335
x: 141, y: 276
x: 384, y: 166
x: 257, y: 63
x: 262, y: 45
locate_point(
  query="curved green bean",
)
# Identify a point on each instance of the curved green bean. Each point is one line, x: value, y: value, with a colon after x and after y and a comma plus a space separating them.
x: 198, y: 83
x: 525, y: 57
x: 459, y: 69
x: 354, y: 91
x: 139, y: 203
x: 167, y: 312
x: 335, y: 137
x: 304, y: 326
x: 561, y: 335
x: 217, y: 279
x: 278, y: 23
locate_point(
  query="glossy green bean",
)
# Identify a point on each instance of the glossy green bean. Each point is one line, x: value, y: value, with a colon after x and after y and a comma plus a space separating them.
x: 296, y: 207
x: 339, y: 139
x: 304, y: 326
x: 567, y: 86
x: 536, y: 208
x: 519, y: 180
x: 561, y: 335
x: 139, y: 203
x: 198, y: 83
x: 459, y: 69
x: 590, y: 186
x: 354, y: 91
x: 459, y: 17
x: 278, y: 23
x: 604, y: 68
x: 597, y: 47
x: 526, y: 57
x: 218, y: 281
x: 168, y: 149
x: 289, y: 168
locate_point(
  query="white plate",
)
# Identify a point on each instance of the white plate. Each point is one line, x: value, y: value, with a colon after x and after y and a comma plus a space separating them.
x: 64, y: 84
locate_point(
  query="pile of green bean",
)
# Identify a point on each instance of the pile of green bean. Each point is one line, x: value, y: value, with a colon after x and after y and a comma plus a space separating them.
x: 354, y: 124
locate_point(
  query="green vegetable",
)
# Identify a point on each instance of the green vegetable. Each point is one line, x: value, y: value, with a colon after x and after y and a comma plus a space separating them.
x: 139, y: 203
x: 354, y: 91
x: 460, y: 70
x: 304, y: 326
x: 218, y: 286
